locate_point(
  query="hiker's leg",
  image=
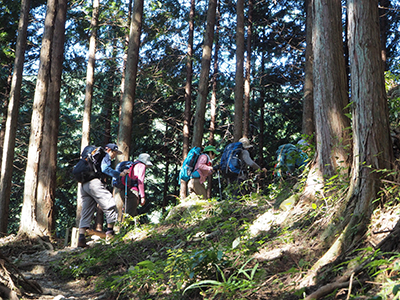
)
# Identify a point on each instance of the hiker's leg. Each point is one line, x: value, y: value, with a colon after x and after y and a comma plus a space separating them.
x: 88, y: 207
x: 105, y: 200
x: 191, y: 187
x: 132, y: 202
x: 198, y: 188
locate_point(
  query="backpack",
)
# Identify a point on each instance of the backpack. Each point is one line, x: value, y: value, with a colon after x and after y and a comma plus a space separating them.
x: 190, y: 161
x: 231, y: 163
x: 89, y: 165
x: 119, y: 182
x: 289, y: 157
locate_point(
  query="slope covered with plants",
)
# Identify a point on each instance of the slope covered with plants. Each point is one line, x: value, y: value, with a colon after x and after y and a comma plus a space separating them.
x: 261, y: 246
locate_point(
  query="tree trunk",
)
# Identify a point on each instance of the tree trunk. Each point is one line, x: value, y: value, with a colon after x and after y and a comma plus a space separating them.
x: 12, y: 118
x: 372, y: 149
x: 238, y: 119
x: 213, y: 101
x: 383, y: 22
x: 128, y: 99
x: 262, y: 104
x: 188, y: 95
x: 85, y: 141
x: 29, y: 225
x: 330, y: 96
x: 372, y: 146
x: 246, y: 117
x: 308, y: 104
x: 48, y: 166
x: 204, y: 74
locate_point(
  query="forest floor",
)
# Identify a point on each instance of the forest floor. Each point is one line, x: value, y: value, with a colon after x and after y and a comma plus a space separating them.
x: 34, y: 261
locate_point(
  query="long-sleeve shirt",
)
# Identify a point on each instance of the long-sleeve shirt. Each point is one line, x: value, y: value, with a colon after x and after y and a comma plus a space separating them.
x: 106, y: 167
x: 245, y: 156
x: 203, y: 167
x: 138, y: 172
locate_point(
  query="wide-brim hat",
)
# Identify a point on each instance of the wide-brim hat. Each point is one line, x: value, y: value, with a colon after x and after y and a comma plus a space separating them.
x: 246, y: 143
x: 145, y: 158
x: 113, y: 147
x: 211, y: 148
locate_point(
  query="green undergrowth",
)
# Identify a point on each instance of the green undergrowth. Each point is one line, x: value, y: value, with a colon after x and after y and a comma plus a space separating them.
x: 234, y: 249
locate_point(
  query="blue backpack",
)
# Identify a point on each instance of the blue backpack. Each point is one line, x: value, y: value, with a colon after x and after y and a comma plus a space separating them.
x: 231, y: 163
x: 289, y: 158
x: 187, y: 170
x: 119, y: 182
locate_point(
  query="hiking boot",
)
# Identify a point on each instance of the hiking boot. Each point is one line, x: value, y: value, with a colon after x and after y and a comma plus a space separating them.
x: 82, y: 243
x: 109, y: 236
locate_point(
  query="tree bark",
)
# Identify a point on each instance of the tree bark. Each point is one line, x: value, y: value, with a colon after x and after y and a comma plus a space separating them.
x: 29, y: 225
x: 85, y: 140
x: 213, y: 101
x: 48, y: 167
x: 238, y: 119
x: 128, y: 99
x: 308, y: 104
x: 188, y: 95
x: 204, y: 74
x: 247, y: 90
x: 330, y: 96
x: 372, y: 146
x: 12, y: 117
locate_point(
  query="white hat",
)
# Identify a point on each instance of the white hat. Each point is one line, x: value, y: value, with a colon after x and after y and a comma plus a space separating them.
x: 246, y: 143
x: 145, y: 158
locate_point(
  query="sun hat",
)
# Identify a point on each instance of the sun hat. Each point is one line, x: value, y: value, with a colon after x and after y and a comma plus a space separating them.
x: 113, y: 147
x: 211, y: 148
x: 246, y: 143
x: 145, y: 158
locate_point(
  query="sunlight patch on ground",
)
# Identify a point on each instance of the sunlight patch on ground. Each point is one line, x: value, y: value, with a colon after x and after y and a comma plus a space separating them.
x: 266, y: 221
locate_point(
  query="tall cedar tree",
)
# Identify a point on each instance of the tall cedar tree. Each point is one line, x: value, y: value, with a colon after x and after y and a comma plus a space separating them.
x: 29, y: 225
x: 204, y: 74
x: 308, y: 128
x: 372, y: 146
x: 238, y: 119
x: 247, y: 83
x: 48, y: 167
x: 12, y: 117
x: 85, y: 140
x: 330, y: 95
x: 188, y: 93
x: 128, y: 99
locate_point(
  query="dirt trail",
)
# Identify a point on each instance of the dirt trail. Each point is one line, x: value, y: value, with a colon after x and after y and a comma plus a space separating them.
x: 34, y: 263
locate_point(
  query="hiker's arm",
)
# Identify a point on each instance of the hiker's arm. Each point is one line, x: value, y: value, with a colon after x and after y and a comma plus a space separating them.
x: 140, y: 171
x: 247, y: 159
x: 106, y: 167
x: 202, y: 165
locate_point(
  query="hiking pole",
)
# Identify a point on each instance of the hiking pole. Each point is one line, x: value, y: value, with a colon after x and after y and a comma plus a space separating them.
x: 126, y: 192
x: 219, y: 183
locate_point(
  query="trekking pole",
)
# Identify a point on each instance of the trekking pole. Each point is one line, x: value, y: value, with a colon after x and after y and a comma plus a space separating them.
x: 126, y: 192
x: 219, y: 183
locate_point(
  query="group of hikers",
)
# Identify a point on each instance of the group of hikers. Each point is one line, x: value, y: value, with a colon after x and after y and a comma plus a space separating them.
x: 235, y: 159
x: 128, y: 176
x: 92, y: 170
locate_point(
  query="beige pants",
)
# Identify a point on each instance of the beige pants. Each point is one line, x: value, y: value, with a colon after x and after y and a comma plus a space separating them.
x: 197, y: 188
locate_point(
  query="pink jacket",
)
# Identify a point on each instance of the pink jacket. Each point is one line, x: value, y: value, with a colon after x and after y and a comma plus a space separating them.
x: 138, y: 172
x: 204, y: 167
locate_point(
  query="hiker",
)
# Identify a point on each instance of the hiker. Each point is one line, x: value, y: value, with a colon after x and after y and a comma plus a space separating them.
x: 136, y: 175
x: 289, y: 159
x: 201, y: 171
x: 95, y: 192
x: 234, y: 161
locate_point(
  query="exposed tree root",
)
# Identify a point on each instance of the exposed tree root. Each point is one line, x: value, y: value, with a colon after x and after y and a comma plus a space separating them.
x: 328, y: 257
x: 327, y: 289
x: 13, y: 283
